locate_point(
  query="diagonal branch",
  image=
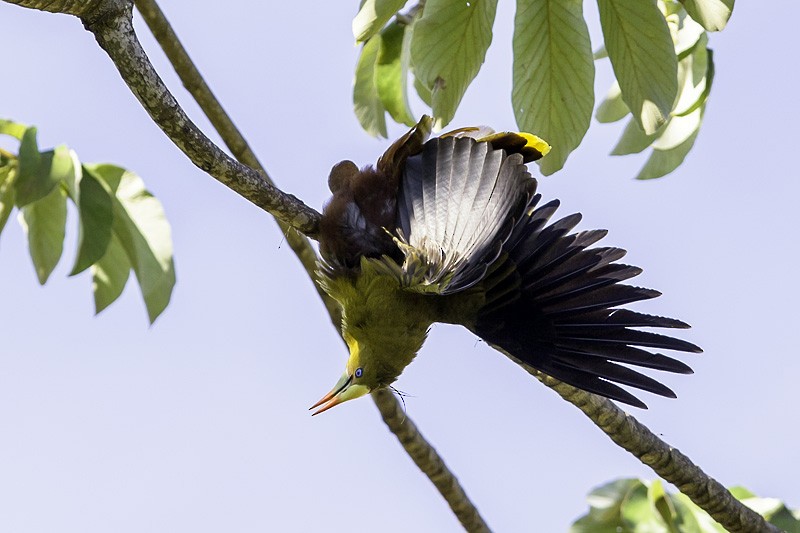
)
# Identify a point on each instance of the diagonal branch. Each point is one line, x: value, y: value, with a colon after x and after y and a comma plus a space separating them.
x: 666, y: 461
x: 427, y: 460
x: 79, y: 8
x: 417, y: 447
x: 114, y: 33
x: 110, y: 22
x: 194, y: 83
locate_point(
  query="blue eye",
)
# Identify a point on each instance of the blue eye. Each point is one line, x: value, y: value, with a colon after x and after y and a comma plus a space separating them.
x: 359, y: 372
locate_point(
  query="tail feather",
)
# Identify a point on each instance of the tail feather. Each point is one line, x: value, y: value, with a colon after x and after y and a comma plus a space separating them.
x: 623, y: 318
x: 616, y: 373
x: 626, y: 336
x: 536, y: 220
x: 626, y: 354
x: 552, y: 304
x: 591, y: 382
x: 539, y: 280
x: 548, y: 237
x: 570, y: 287
x: 567, y: 247
x: 598, y: 294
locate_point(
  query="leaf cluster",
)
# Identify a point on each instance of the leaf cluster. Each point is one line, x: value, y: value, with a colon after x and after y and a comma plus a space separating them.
x: 658, y: 51
x: 121, y: 226
x: 634, y: 505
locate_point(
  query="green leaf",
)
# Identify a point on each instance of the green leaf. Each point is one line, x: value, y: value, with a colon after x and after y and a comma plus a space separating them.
x: 741, y: 493
x: 705, y: 84
x: 29, y: 162
x: 633, y: 140
x: 678, y: 130
x: 694, y: 72
x: 766, y: 507
x: 391, y: 72
x: 600, y: 53
x: 605, y: 501
x: 39, y: 172
x: 448, y: 48
x: 643, y: 57
x: 7, y: 174
x: 13, y: 129
x: 109, y: 275
x: 639, y: 515
x: 662, y: 503
x: 634, y: 506
x: 672, y: 146
x: 44, y: 222
x: 106, y: 173
x: 553, y: 92
x: 423, y: 92
x: 143, y: 232
x: 373, y: 15
x: 692, y: 519
x: 587, y: 525
x: 713, y: 15
x: 612, y: 108
x: 95, y: 210
x: 689, y: 35
x: 785, y: 520
x: 367, y: 104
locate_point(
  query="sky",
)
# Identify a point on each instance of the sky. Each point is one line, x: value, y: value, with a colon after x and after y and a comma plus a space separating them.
x: 200, y: 423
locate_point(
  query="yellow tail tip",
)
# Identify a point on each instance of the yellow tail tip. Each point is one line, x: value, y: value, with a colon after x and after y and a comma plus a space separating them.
x: 537, y: 143
x: 528, y: 145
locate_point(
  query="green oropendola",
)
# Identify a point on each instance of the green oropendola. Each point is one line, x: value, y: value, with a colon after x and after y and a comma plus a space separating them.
x: 450, y: 230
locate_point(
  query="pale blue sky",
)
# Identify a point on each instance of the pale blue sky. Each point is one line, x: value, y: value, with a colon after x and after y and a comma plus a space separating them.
x: 200, y: 422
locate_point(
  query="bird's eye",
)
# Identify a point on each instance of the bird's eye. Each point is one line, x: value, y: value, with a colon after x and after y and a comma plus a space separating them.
x: 359, y: 372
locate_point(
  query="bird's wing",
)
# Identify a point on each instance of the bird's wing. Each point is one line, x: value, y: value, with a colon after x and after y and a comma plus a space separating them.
x: 552, y: 303
x: 457, y: 204
x: 467, y: 219
x: 409, y: 144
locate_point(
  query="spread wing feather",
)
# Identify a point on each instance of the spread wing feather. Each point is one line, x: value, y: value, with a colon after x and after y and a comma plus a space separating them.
x: 468, y: 218
x: 458, y: 200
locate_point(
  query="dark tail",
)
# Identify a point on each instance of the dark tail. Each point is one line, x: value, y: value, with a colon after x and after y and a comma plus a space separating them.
x: 552, y: 303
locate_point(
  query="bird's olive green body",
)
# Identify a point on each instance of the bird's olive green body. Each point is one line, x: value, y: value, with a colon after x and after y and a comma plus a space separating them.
x: 383, y: 341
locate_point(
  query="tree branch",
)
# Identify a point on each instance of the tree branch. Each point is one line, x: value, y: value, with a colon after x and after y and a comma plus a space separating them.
x: 110, y: 22
x: 79, y: 8
x: 426, y: 458
x: 418, y: 448
x: 666, y: 461
x: 194, y: 83
x: 114, y: 33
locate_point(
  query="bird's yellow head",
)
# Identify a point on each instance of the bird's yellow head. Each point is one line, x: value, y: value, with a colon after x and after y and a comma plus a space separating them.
x: 354, y: 383
x: 370, y: 366
x: 384, y: 328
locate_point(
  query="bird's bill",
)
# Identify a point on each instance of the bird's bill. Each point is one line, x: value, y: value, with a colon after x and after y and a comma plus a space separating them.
x: 344, y: 390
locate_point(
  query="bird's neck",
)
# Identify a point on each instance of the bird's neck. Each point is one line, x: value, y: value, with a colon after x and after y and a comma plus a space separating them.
x: 389, y: 323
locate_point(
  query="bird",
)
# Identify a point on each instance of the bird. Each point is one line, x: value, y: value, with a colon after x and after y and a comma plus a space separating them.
x: 451, y: 230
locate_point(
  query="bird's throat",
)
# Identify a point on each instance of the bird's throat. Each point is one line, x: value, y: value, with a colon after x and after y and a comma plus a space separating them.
x: 384, y: 324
